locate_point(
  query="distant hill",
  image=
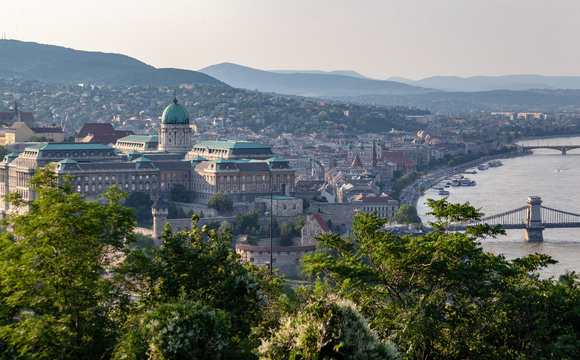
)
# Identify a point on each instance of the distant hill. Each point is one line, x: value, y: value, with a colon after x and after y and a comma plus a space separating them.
x: 496, y: 100
x: 305, y: 84
x: 59, y: 64
x: 335, y: 72
x: 486, y: 83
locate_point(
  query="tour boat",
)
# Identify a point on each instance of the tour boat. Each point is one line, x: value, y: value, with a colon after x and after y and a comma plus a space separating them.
x: 443, y: 192
x: 455, y: 182
x: 465, y: 182
x: 483, y: 167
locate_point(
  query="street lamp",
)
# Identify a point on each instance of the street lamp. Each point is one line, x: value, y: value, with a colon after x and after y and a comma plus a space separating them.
x: 271, y: 211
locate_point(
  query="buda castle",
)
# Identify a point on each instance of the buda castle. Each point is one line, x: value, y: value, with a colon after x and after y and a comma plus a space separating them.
x: 155, y: 165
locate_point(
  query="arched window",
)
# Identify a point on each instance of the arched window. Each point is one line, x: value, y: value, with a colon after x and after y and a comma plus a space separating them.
x: 79, y: 188
x: 147, y: 186
x: 133, y: 186
x: 86, y: 187
x: 93, y: 187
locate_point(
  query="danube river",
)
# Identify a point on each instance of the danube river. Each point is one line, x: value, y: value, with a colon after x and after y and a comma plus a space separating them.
x: 548, y: 174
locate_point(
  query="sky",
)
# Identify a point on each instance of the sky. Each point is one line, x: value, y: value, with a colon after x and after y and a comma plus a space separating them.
x: 412, y: 39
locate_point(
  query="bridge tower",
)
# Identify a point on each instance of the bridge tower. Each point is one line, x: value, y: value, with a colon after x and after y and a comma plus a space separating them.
x: 564, y: 150
x: 534, y: 226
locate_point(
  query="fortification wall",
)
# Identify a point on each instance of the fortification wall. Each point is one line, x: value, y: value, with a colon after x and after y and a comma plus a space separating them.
x: 339, y: 213
x: 197, y: 209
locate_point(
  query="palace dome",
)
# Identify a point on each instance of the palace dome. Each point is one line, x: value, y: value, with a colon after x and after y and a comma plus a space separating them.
x: 175, y: 114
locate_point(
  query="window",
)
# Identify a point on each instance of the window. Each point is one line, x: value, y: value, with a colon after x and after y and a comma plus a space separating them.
x: 93, y: 188
x: 100, y: 178
x: 162, y: 186
x: 163, y: 176
x: 263, y: 177
x: 132, y: 177
x: 140, y: 186
x: 294, y: 207
x: 284, y: 207
x: 263, y: 187
x: 106, y: 178
x: 180, y: 176
x: 168, y: 186
x: 79, y: 188
x: 174, y: 176
x: 140, y: 177
x: 251, y: 259
x: 86, y: 187
x: 126, y: 186
x: 133, y: 186
x: 186, y: 176
x: 186, y: 185
x: 113, y: 177
x: 253, y: 177
x: 93, y: 178
x: 146, y: 176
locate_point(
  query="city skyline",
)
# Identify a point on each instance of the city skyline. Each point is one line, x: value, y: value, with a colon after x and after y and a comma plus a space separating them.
x: 415, y: 39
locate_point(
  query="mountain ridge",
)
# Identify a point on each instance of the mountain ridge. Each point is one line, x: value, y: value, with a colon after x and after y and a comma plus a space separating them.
x: 60, y: 64
x: 305, y: 84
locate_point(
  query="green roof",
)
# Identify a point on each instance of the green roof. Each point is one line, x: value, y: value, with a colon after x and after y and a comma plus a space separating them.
x: 175, y: 114
x: 141, y: 138
x: 276, y: 159
x: 231, y: 144
x: 69, y: 146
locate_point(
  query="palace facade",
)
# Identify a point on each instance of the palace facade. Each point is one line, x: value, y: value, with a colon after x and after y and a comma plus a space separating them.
x: 244, y: 170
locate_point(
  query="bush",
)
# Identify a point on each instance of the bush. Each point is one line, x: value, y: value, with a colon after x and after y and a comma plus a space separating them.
x: 181, y: 330
x: 221, y: 202
x: 326, y: 328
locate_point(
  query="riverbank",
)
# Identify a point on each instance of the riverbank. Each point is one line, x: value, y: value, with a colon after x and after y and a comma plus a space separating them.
x: 410, y: 195
x: 545, y: 137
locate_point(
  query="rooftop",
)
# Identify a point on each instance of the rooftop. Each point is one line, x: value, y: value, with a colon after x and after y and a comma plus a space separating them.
x: 231, y: 144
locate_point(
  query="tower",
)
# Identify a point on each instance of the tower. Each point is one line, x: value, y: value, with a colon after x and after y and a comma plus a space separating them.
x: 174, y: 133
x: 160, y: 210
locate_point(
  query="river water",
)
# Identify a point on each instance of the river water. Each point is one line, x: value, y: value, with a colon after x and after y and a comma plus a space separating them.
x: 548, y: 174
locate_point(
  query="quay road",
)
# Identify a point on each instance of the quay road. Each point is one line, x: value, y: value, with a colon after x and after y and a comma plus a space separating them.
x: 410, y: 195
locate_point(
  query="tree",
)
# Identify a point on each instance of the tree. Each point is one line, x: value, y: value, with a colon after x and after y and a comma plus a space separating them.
x: 181, y: 330
x: 407, y: 214
x: 224, y: 228
x: 325, y: 327
x: 40, y: 139
x: 179, y: 194
x: 426, y: 293
x: 244, y: 221
x: 199, y: 265
x: 51, y: 271
x: 3, y: 152
x: 221, y: 202
x: 141, y: 203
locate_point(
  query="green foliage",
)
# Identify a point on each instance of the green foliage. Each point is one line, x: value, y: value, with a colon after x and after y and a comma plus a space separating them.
x: 3, y: 152
x: 325, y: 327
x: 250, y: 220
x: 179, y: 194
x: 141, y: 203
x: 181, y: 330
x: 406, y: 214
x: 440, y: 296
x: 221, y: 202
x: 403, y: 182
x: 39, y: 139
x: 291, y: 230
x: 141, y: 242
x: 199, y: 265
x: 55, y: 302
x: 224, y: 228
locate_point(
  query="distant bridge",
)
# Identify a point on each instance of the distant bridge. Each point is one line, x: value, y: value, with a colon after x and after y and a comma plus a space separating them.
x: 562, y: 148
x: 534, y: 218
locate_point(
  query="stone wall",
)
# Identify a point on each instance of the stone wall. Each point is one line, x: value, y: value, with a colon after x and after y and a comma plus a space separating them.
x: 284, y: 258
x: 197, y: 208
x: 340, y: 214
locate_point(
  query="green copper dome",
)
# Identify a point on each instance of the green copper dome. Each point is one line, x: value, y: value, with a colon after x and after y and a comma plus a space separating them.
x: 175, y: 114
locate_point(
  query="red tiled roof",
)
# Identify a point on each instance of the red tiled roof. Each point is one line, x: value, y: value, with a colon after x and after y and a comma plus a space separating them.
x: 321, y: 222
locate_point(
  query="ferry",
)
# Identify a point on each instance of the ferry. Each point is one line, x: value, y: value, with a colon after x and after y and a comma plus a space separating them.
x: 495, y: 163
x: 455, y: 182
x: 443, y: 192
x: 483, y: 167
x: 465, y: 182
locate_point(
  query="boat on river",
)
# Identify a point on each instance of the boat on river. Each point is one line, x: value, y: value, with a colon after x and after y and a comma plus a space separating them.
x: 483, y: 167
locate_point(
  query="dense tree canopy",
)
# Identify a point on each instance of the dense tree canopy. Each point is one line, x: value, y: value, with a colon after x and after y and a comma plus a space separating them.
x: 406, y: 214
x: 221, y: 202
x: 55, y: 302
x: 440, y: 296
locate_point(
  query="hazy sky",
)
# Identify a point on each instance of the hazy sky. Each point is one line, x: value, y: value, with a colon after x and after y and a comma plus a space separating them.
x: 378, y: 38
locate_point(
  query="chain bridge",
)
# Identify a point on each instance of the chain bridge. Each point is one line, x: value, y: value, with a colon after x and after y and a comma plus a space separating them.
x: 533, y: 217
